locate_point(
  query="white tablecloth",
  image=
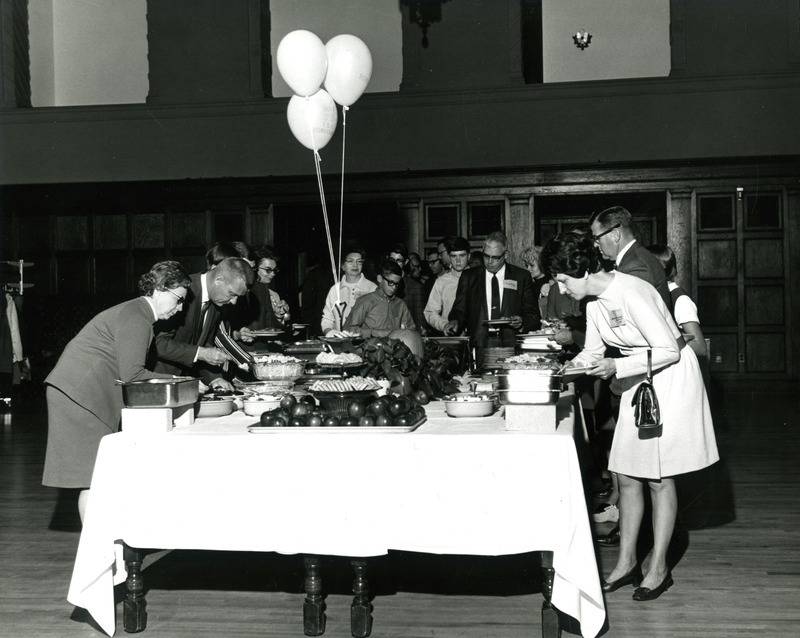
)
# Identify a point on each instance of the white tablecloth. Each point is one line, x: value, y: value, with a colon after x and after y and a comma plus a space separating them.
x: 454, y: 486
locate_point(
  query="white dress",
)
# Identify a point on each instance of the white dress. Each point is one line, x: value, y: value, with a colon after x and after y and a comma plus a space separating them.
x: 630, y: 315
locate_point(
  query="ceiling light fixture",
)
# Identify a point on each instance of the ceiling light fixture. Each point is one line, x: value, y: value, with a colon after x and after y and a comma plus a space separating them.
x: 424, y: 13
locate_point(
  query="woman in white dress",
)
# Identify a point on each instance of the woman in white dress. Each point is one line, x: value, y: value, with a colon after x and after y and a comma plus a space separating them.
x: 627, y: 313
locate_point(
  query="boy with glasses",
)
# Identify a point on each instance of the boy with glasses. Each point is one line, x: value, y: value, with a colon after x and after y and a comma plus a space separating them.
x: 380, y: 312
x: 410, y: 289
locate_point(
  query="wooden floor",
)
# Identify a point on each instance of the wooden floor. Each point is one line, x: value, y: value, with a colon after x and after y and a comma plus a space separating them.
x: 737, y: 570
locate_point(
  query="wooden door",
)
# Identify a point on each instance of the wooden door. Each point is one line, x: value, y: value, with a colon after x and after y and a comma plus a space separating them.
x: 742, y: 277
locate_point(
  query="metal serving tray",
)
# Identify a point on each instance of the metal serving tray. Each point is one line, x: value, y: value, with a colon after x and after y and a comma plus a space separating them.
x: 160, y: 393
x: 523, y: 397
x: 529, y: 380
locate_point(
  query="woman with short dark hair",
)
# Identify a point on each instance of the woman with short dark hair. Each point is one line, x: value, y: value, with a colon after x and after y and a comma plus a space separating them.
x: 627, y: 313
x: 84, y: 402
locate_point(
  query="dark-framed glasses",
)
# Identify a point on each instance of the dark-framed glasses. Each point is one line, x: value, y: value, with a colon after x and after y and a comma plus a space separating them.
x: 433, y: 261
x: 392, y: 284
x: 176, y: 295
x: 268, y: 270
x: 596, y: 238
x: 493, y: 258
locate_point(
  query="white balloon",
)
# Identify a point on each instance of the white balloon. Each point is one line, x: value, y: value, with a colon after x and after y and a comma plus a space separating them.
x: 312, y: 119
x: 349, y: 68
x: 302, y: 61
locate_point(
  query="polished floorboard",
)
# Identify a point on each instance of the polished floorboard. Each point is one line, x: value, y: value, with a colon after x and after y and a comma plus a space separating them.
x: 736, y: 559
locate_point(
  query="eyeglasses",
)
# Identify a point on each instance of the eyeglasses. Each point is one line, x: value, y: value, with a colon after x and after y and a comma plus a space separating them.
x: 491, y: 258
x: 176, y: 295
x: 433, y: 261
x: 392, y: 284
x: 354, y: 262
x: 596, y: 238
x: 268, y: 270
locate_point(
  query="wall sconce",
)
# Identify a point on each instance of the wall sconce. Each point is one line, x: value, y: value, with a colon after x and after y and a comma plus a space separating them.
x: 424, y: 13
x: 582, y: 39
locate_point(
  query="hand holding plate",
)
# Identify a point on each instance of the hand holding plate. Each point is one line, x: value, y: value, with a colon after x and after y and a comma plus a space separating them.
x: 604, y: 368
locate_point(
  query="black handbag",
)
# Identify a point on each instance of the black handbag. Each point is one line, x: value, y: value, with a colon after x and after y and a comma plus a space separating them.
x: 646, y: 411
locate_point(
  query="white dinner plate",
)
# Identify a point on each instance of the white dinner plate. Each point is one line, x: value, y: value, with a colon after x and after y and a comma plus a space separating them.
x: 573, y: 371
x: 266, y: 333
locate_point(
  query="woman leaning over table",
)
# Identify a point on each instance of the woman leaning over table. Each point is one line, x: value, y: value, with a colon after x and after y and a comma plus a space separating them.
x: 84, y: 402
x: 627, y: 313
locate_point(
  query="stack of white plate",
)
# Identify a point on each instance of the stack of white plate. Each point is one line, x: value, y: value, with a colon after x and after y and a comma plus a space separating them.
x: 537, y: 343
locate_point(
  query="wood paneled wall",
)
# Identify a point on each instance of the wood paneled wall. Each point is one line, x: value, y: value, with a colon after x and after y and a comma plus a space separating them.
x: 83, y: 244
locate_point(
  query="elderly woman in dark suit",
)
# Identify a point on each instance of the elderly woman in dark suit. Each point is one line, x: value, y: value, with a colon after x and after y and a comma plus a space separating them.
x: 84, y: 402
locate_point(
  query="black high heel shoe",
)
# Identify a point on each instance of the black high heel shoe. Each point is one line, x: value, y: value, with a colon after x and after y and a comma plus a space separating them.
x: 645, y: 593
x: 633, y: 577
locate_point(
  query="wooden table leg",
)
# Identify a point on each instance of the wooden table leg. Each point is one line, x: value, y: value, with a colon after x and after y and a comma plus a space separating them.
x: 551, y: 628
x: 360, y: 609
x: 314, y: 604
x: 134, y: 611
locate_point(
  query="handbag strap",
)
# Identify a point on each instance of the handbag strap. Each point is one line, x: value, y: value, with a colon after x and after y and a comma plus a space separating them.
x: 649, y: 365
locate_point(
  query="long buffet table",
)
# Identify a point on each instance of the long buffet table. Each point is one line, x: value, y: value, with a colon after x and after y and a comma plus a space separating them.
x: 453, y: 486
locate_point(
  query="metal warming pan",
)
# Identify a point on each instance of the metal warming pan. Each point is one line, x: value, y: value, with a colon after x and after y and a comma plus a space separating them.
x: 160, y: 393
x: 526, y: 387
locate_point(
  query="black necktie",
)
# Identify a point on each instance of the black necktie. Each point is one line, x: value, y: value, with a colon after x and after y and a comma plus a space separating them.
x: 203, y: 316
x: 495, y: 310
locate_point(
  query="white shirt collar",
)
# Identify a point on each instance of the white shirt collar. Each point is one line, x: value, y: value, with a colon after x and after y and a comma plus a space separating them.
x: 152, y: 303
x: 204, y: 287
x: 501, y: 274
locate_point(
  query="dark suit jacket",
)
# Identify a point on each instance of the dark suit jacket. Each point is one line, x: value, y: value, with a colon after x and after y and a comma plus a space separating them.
x: 261, y: 316
x: 641, y: 263
x: 177, y: 338
x: 470, y: 311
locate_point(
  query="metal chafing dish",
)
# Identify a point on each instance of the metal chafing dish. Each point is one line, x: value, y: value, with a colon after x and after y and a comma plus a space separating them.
x: 529, y: 386
x: 160, y: 393
x: 306, y: 350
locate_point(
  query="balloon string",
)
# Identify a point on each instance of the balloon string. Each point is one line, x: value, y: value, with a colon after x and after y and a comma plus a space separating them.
x: 341, y: 192
x: 320, y: 186
x: 325, y: 216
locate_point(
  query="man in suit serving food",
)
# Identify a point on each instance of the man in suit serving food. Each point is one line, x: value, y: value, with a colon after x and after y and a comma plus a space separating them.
x: 185, y: 343
x: 497, y: 296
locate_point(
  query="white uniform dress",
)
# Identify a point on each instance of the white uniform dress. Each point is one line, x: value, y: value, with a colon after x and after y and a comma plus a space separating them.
x: 631, y: 316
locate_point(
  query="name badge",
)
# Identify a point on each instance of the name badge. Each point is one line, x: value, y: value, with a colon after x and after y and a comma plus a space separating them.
x: 616, y: 318
x: 509, y: 284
